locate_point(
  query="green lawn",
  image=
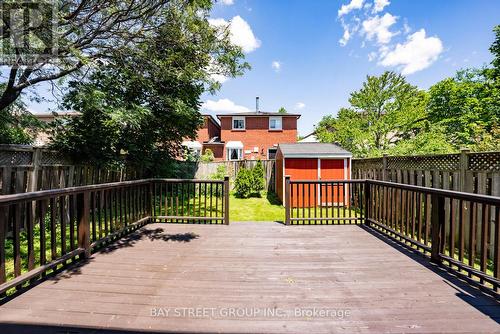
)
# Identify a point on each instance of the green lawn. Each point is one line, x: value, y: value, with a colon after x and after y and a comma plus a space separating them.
x: 265, y: 208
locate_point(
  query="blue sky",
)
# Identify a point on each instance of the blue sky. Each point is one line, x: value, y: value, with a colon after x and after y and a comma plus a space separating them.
x: 317, y: 73
x: 315, y: 70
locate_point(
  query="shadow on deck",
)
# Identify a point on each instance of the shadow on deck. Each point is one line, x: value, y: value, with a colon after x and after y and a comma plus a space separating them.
x: 252, y: 277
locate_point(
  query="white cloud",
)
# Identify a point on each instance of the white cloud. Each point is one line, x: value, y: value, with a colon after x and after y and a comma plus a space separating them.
x: 379, y: 27
x: 299, y: 105
x: 219, y: 78
x: 379, y: 5
x: 354, y: 4
x: 276, y: 65
x: 240, y: 33
x: 223, y: 105
x: 346, y: 36
x: 227, y: 2
x: 372, y: 55
x: 417, y: 53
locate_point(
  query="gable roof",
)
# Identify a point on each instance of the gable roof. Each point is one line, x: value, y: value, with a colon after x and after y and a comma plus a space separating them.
x: 259, y: 113
x: 304, y: 150
x: 212, y: 119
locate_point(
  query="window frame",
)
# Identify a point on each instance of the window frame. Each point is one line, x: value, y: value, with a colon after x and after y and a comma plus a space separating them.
x: 238, y: 118
x: 276, y: 151
x: 276, y: 118
x: 239, y: 152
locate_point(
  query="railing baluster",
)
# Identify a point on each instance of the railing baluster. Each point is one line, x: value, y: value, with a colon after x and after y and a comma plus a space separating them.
x: 4, y: 217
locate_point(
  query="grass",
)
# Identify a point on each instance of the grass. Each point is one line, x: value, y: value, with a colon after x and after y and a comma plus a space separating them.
x: 265, y: 208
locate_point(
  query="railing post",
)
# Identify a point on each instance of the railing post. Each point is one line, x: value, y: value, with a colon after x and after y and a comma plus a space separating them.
x: 367, y: 200
x: 226, y: 200
x: 150, y: 202
x: 287, y: 200
x: 83, y: 209
x: 437, y: 219
x: 4, y: 217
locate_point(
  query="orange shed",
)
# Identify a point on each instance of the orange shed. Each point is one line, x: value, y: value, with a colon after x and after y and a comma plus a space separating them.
x: 311, y: 161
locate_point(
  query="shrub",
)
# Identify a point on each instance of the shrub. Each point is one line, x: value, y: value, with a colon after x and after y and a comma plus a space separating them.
x: 208, y: 156
x: 243, y: 185
x: 258, y: 177
x: 219, y: 174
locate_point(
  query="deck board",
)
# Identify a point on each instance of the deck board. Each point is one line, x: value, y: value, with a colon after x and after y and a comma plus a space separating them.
x: 247, y: 267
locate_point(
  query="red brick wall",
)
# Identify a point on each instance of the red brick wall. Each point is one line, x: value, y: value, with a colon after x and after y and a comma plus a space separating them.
x: 207, y: 131
x: 257, y: 134
x: 217, y: 149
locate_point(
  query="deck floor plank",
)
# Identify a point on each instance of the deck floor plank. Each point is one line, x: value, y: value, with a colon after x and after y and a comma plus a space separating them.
x: 248, y: 267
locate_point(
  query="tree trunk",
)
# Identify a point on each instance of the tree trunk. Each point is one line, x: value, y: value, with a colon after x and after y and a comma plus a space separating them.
x: 8, y: 97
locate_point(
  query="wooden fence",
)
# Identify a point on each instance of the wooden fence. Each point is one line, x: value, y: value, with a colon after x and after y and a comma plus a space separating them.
x: 458, y: 230
x: 43, y: 230
x: 204, y: 170
x: 467, y: 172
x: 25, y: 169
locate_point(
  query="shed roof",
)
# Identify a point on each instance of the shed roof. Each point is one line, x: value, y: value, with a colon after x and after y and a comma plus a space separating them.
x: 312, y: 150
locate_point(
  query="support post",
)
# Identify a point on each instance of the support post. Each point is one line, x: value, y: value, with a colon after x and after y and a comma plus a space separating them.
x: 437, y: 220
x: 226, y: 200
x: 384, y: 167
x: 83, y: 210
x: 464, y: 166
x: 287, y: 200
x: 367, y: 201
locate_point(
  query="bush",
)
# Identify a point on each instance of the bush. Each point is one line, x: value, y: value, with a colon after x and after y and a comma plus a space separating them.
x: 243, y: 185
x: 208, y: 156
x: 258, y: 177
x: 219, y: 174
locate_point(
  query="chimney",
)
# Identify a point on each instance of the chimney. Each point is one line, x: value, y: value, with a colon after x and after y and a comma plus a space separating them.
x: 257, y: 104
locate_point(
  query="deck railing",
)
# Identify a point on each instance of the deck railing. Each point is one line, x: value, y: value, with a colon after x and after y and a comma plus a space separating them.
x: 44, y: 230
x: 458, y: 230
x: 324, y: 202
x: 181, y: 201
x: 455, y: 229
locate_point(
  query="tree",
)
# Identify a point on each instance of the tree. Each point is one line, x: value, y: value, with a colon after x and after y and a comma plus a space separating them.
x: 72, y: 35
x: 18, y: 125
x: 282, y: 110
x: 466, y: 106
x: 495, y: 51
x: 386, y: 110
x: 243, y: 184
x: 208, y: 156
x: 151, y: 92
x: 258, y: 177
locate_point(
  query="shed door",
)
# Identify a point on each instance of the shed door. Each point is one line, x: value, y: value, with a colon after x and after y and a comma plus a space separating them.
x: 302, y: 169
x: 332, y: 169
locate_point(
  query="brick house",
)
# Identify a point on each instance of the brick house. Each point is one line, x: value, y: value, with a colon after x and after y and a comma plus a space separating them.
x: 256, y: 135
x: 207, y: 136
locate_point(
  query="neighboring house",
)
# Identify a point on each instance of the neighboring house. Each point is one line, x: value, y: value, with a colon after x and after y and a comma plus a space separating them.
x: 208, y: 136
x: 42, y: 138
x: 310, y: 138
x: 256, y: 135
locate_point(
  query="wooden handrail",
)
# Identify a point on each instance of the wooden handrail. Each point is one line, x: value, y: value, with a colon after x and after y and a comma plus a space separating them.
x: 73, y: 221
x: 455, y: 229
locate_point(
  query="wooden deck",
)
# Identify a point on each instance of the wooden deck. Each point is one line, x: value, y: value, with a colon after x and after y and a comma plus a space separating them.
x: 252, y: 277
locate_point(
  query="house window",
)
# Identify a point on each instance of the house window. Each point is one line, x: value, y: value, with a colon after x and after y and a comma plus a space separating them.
x: 271, y: 153
x: 238, y: 123
x: 234, y: 154
x: 274, y: 123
